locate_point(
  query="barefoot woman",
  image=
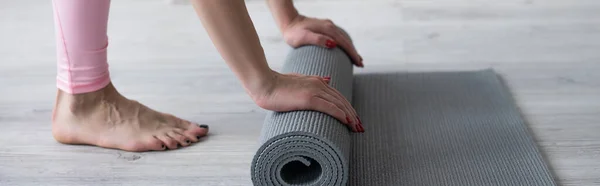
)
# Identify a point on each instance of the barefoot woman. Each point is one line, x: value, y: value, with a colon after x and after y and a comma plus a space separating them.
x: 89, y: 110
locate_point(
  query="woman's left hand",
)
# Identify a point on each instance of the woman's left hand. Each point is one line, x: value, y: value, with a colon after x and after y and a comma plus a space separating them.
x: 322, y: 32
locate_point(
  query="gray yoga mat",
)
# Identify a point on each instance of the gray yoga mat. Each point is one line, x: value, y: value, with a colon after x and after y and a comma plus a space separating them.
x: 437, y: 128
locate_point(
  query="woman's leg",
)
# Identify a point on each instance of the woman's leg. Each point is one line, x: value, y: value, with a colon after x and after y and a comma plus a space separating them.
x: 81, y: 42
x: 89, y: 110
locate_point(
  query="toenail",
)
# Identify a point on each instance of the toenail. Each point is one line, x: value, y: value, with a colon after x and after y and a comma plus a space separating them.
x: 203, y: 126
x: 187, y: 141
x: 198, y: 137
x: 163, y: 146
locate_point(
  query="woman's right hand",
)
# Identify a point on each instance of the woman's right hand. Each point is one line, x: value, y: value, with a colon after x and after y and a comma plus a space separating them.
x: 302, y: 30
x: 230, y: 28
x: 289, y: 92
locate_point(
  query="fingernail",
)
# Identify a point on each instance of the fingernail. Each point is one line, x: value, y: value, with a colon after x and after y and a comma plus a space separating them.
x: 188, y: 141
x: 203, y: 126
x: 198, y: 137
x: 162, y: 147
x: 360, y: 64
x: 330, y: 44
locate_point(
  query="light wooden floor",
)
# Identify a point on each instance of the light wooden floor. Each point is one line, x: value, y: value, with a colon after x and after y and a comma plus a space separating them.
x: 548, y: 51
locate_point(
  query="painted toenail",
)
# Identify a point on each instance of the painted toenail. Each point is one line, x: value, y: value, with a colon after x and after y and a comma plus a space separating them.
x: 204, y: 126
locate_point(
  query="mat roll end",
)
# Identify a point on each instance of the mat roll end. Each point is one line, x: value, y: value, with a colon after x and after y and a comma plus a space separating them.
x: 299, y: 158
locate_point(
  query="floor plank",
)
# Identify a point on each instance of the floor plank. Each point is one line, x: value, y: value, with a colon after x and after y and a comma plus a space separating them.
x: 545, y: 51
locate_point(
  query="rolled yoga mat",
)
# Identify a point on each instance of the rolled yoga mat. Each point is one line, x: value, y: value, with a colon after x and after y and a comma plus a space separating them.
x: 437, y: 128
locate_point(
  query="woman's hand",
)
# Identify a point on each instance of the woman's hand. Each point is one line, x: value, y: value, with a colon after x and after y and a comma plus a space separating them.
x: 303, y: 30
x: 232, y: 32
x: 289, y: 92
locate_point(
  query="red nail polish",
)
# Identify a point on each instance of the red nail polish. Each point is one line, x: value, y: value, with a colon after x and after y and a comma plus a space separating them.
x: 360, y: 128
x: 330, y: 44
x: 348, y: 119
x: 359, y: 63
x: 327, y: 77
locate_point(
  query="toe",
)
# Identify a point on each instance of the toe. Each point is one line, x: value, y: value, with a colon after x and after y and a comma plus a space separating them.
x: 188, y: 136
x: 194, y: 132
x: 198, y: 131
x: 157, y: 144
x: 182, y: 140
x: 168, y: 141
x: 177, y: 122
x: 190, y: 130
x: 148, y: 144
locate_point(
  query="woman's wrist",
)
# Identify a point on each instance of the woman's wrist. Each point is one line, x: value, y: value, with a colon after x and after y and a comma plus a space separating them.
x: 283, y: 12
x: 258, y: 82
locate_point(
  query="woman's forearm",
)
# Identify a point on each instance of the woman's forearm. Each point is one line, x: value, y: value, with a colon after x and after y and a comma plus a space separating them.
x: 232, y: 32
x: 283, y: 12
x: 230, y: 28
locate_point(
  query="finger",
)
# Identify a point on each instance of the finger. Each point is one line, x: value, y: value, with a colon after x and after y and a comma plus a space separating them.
x: 350, y: 122
x: 303, y: 75
x: 329, y: 29
x: 325, y: 79
x: 353, y: 117
x: 360, y: 128
x: 337, y: 98
x: 339, y: 94
x: 322, y: 105
x: 319, y: 77
x: 349, y: 47
x: 348, y: 107
x: 313, y: 38
x: 327, y: 95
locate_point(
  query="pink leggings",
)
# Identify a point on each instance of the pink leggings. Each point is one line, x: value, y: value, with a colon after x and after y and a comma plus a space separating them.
x: 81, y: 42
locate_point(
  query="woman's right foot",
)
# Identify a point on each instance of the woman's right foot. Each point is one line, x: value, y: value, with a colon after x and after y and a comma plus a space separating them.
x: 106, y: 119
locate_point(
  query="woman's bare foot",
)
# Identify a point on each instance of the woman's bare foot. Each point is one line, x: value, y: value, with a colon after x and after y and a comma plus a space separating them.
x: 107, y: 119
